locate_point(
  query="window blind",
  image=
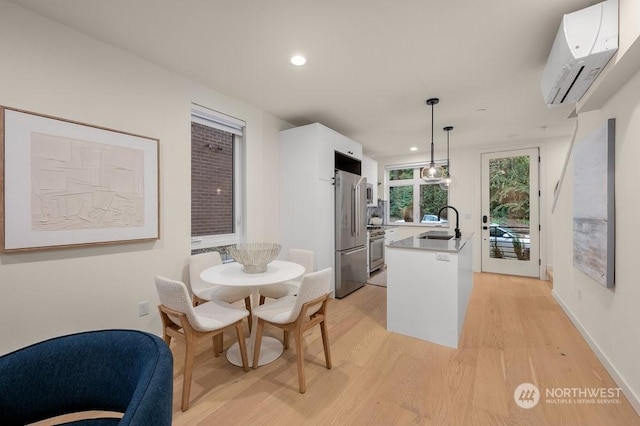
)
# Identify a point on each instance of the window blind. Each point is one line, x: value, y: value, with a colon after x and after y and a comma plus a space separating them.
x: 217, y: 120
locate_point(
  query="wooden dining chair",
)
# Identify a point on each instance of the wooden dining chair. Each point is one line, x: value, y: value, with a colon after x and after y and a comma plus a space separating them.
x: 204, y: 292
x: 289, y: 288
x: 298, y: 314
x: 186, y: 323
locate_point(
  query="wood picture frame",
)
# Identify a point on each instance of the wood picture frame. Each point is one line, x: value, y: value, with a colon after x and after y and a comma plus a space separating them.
x: 69, y: 184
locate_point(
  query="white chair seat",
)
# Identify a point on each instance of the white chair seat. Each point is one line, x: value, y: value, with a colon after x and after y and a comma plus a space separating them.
x: 289, y: 288
x: 276, y: 291
x: 278, y: 311
x: 215, y: 315
x: 223, y: 293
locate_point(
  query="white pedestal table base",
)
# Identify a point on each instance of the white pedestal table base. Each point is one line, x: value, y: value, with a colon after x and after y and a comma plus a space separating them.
x: 270, y: 350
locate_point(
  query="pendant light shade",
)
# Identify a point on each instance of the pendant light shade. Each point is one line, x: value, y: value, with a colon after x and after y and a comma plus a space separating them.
x: 431, y: 173
x: 448, y: 181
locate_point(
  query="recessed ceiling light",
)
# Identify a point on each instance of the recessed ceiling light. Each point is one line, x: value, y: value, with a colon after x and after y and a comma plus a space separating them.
x: 298, y: 60
x: 413, y: 148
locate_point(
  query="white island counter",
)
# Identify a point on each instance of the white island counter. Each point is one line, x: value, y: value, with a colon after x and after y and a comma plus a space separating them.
x: 429, y: 282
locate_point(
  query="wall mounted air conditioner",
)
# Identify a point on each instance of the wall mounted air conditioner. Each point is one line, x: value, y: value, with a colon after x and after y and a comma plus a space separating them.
x: 586, y: 41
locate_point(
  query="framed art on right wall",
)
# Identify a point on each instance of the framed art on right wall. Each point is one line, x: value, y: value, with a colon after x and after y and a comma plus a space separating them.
x: 594, y: 204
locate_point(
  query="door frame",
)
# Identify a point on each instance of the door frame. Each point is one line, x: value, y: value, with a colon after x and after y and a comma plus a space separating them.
x: 542, y: 186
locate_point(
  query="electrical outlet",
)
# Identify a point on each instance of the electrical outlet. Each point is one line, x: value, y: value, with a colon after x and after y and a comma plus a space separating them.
x: 143, y: 308
x: 442, y: 256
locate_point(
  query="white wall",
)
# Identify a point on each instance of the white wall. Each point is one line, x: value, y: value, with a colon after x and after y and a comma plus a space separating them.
x: 465, y: 196
x: 629, y: 29
x: 53, y: 70
x: 608, y: 318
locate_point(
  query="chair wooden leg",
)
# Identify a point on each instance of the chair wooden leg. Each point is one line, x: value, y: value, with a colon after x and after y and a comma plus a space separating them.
x: 164, y: 318
x: 166, y: 337
x: 247, y: 305
x: 286, y: 339
x: 258, y: 342
x: 262, y: 299
x: 189, y: 359
x: 243, y: 345
x: 217, y: 344
x: 325, y: 343
x: 300, y: 356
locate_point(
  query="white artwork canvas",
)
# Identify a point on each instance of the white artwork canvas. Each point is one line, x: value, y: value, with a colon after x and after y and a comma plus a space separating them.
x: 593, y: 204
x: 78, y: 184
x: 69, y: 184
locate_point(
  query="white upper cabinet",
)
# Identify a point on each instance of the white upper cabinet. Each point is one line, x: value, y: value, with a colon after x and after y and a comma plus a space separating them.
x: 338, y: 142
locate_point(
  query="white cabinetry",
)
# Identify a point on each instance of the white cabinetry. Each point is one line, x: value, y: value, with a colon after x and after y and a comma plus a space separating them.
x: 370, y: 171
x: 391, y: 235
x: 306, y: 189
x: 428, y: 289
x: 342, y: 143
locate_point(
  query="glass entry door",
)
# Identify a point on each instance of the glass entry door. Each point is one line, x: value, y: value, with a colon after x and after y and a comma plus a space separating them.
x: 510, y: 213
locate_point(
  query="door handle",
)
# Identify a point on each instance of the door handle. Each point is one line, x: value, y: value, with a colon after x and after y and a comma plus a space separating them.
x: 484, y: 219
x: 353, y: 210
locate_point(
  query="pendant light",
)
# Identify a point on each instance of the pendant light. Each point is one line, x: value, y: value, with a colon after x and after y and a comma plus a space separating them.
x: 447, y: 180
x: 432, y: 173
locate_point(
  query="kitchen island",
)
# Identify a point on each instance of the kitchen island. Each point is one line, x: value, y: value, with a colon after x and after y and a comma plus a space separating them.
x: 429, y: 282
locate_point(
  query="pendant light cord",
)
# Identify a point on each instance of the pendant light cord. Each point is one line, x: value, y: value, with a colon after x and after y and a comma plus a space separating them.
x: 448, y: 164
x: 432, y: 125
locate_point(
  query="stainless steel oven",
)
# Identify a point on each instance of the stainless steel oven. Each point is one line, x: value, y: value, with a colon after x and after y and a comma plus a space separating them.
x: 376, y: 249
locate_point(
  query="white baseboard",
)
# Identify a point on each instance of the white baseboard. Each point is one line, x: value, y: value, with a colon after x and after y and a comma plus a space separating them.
x: 633, y: 399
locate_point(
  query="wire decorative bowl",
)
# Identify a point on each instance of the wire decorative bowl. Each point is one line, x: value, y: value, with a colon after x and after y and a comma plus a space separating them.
x: 254, y: 257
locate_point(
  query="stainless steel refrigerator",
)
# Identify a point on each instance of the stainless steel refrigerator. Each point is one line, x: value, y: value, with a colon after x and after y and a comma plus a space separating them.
x: 351, y: 232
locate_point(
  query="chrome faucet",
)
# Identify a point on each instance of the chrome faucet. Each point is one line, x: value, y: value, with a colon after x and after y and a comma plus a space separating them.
x: 457, y: 230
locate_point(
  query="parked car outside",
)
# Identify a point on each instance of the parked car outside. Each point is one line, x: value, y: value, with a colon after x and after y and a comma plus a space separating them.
x: 505, y: 243
x: 432, y: 218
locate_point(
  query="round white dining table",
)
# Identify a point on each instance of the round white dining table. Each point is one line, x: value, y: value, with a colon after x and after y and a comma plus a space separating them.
x: 231, y: 275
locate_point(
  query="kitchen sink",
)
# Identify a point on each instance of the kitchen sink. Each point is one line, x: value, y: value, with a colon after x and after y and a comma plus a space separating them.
x: 436, y: 235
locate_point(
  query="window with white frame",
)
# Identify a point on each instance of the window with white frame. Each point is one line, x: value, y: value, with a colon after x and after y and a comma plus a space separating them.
x: 412, y: 200
x: 216, y: 178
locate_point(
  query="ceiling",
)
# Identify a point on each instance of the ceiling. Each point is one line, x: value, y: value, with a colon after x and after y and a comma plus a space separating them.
x: 371, y: 64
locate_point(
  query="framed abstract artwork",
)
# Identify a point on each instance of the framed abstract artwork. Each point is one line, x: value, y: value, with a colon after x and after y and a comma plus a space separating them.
x: 70, y: 184
x: 594, y: 204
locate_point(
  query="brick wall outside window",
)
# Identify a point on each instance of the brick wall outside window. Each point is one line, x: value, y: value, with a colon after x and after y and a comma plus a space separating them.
x: 211, y: 181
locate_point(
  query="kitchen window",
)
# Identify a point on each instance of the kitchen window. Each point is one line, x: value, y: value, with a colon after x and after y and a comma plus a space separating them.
x: 411, y: 199
x: 216, y: 176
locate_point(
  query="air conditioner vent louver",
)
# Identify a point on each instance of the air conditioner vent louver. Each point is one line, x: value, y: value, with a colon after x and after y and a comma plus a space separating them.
x: 586, y: 41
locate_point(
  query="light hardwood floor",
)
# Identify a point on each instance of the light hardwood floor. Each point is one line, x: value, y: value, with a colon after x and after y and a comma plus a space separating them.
x: 514, y: 332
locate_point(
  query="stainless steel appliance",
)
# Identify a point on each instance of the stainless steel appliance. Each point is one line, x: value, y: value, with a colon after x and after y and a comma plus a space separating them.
x: 351, y: 232
x: 369, y: 193
x: 376, y: 248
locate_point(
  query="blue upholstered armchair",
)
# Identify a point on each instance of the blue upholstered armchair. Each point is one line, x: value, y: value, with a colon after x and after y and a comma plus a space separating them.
x: 111, y: 370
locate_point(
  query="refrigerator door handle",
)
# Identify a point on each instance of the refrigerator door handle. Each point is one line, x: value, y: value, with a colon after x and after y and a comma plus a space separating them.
x: 355, y: 250
x: 357, y: 212
x: 353, y: 210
